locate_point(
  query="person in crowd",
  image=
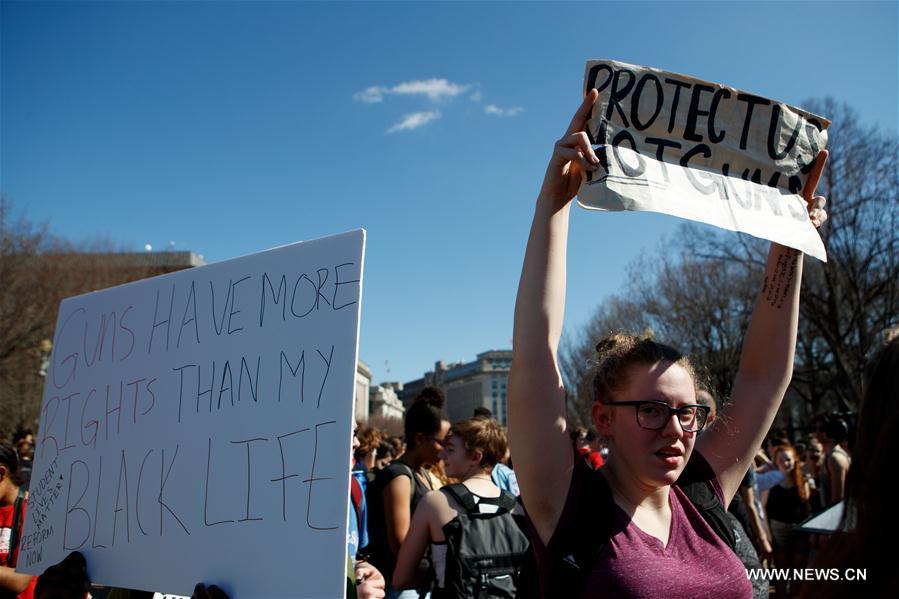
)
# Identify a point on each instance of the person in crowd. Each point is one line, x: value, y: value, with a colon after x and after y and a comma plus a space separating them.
x: 764, y: 475
x: 367, y: 581
x: 13, y: 504
x: 23, y: 440
x: 755, y: 512
x: 591, y: 452
x: 386, y: 454
x: 705, y: 398
x: 772, y: 442
x: 869, y: 526
x: 357, y: 530
x: 399, y: 445
x: 833, y: 432
x: 502, y: 475
x: 366, y: 456
x: 437, y: 476
x: 787, y: 505
x: 580, y: 441
x: 397, y: 489
x: 482, y: 412
x: 473, y: 448
x: 813, y: 461
x: 578, y: 436
x: 657, y: 543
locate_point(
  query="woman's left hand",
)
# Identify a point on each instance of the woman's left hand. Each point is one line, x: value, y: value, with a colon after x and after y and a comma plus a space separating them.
x: 816, y: 211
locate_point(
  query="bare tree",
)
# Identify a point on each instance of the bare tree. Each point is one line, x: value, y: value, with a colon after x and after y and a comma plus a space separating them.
x: 849, y: 301
x: 699, y: 306
x: 37, y: 271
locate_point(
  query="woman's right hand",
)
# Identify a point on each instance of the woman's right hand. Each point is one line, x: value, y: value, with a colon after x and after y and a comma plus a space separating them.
x: 572, y: 156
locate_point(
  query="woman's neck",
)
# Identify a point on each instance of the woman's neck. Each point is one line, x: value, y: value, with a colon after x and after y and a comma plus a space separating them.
x: 412, y: 458
x: 9, y: 494
x: 633, y: 493
x: 477, y: 474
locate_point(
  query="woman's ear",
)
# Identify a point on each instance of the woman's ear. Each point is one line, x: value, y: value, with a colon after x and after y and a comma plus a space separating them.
x: 602, y: 418
x: 476, y: 455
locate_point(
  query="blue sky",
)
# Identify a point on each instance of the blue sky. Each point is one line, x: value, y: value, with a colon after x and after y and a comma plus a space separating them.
x: 229, y: 128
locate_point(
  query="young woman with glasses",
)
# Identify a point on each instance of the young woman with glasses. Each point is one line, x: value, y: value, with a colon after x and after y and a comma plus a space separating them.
x: 645, y: 405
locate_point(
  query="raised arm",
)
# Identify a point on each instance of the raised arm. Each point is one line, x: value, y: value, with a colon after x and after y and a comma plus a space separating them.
x: 766, y: 364
x: 536, y: 409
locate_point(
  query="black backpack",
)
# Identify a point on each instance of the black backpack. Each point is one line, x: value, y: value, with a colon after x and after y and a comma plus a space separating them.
x: 567, y: 575
x: 485, y: 552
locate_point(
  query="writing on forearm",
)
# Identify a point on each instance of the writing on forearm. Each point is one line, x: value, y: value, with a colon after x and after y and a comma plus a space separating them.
x: 776, y: 286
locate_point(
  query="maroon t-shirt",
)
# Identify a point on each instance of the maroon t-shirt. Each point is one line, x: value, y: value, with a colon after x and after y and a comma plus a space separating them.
x: 696, y: 562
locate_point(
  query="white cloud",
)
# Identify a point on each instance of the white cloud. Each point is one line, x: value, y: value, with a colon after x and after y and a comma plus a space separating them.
x: 496, y: 110
x: 415, y: 120
x: 434, y: 89
x: 371, y: 95
x: 475, y: 97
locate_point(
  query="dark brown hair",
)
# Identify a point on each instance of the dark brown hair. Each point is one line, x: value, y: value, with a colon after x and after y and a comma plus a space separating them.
x: 425, y: 415
x: 10, y: 459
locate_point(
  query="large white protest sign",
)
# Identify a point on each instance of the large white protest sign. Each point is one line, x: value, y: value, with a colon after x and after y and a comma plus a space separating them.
x: 678, y: 145
x: 196, y: 427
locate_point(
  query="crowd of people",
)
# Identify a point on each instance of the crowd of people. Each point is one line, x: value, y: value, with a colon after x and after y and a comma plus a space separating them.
x: 407, y: 499
x: 671, y: 493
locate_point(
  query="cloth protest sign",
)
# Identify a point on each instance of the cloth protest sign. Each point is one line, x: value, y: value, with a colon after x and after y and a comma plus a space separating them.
x: 197, y: 427
x: 702, y: 151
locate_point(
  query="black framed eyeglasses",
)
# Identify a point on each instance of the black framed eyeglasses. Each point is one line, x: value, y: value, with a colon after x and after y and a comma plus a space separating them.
x: 440, y: 442
x: 654, y: 415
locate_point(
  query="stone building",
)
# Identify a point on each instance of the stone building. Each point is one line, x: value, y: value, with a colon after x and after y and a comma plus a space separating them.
x: 468, y: 385
x: 385, y: 401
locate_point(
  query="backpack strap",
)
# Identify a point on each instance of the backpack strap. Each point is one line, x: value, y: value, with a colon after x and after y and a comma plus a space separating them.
x: 696, y: 483
x: 702, y: 495
x: 463, y: 497
x: 506, y: 501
